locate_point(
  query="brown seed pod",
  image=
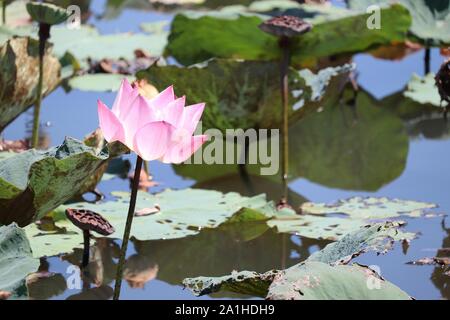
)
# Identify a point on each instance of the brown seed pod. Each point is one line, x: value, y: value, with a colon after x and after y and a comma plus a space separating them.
x: 88, y: 220
x: 285, y: 26
x: 443, y: 81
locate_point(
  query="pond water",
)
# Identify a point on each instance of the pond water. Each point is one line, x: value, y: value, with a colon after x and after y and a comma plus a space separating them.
x: 155, y: 269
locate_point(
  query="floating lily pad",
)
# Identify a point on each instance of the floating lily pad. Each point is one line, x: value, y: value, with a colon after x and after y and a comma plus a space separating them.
x: 424, y: 91
x: 305, y: 281
x: 431, y: 19
x: 99, y: 82
x: 16, y: 260
x: 19, y: 77
x: 183, y: 213
x: 369, y: 208
x: 33, y: 183
x: 86, y: 42
x: 245, y: 94
x: 238, y: 36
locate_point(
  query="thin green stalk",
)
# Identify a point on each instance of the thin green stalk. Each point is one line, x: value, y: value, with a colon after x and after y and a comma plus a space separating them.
x: 427, y: 60
x: 44, y: 34
x: 126, y: 234
x: 284, y: 43
x: 3, y: 12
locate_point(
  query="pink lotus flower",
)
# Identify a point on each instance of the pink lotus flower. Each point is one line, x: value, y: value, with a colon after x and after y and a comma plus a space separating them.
x: 159, y: 128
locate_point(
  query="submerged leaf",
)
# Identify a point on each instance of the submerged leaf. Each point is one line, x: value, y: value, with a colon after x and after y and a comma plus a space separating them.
x: 19, y: 77
x: 33, y: 182
x: 16, y: 260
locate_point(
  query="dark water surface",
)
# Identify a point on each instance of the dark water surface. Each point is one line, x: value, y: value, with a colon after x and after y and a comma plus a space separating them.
x: 155, y: 269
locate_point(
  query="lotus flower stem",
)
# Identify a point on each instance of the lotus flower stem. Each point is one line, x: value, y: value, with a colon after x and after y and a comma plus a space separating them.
x: 86, y: 238
x: 146, y: 169
x: 284, y: 70
x: 44, y: 35
x: 427, y: 60
x: 126, y: 234
x: 3, y: 12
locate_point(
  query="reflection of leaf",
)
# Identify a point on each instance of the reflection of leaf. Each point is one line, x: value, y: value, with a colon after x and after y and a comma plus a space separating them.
x: 245, y: 94
x: 19, y: 77
x: 431, y: 18
x: 356, y: 149
x: 33, y: 183
x: 16, y: 260
x: 239, y: 37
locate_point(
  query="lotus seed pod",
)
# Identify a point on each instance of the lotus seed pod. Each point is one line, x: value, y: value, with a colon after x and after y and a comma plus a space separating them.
x: 443, y: 81
x: 47, y: 13
x: 285, y: 26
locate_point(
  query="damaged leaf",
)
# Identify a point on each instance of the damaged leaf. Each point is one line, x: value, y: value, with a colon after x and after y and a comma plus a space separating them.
x: 310, y: 280
x: 19, y: 73
x: 33, y: 182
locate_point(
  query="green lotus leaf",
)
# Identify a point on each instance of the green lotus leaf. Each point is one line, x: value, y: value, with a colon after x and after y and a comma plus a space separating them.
x: 245, y: 94
x: 183, y: 213
x: 19, y: 77
x: 379, y: 237
x: 33, y: 183
x: 320, y: 281
x: 47, y: 13
x: 238, y: 36
x: 16, y: 260
x: 424, y: 91
x: 430, y: 19
x: 86, y: 42
x: 369, y: 208
x: 305, y: 281
x: 321, y: 276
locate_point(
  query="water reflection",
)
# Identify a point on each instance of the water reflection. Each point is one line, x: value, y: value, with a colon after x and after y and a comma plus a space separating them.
x: 212, y: 252
x: 440, y: 276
